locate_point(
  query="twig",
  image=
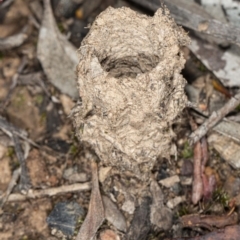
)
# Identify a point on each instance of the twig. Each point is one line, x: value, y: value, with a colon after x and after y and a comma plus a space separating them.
x: 194, y: 20
x: 33, y: 79
x: 8, y: 128
x: 13, y: 132
x: 11, y: 185
x: 204, y: 147
x: 31, y: 194
x: 214, y: 119
x: 24, y: 178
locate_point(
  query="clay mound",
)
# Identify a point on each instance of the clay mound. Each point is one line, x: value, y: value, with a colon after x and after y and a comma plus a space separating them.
x: 131, y: 87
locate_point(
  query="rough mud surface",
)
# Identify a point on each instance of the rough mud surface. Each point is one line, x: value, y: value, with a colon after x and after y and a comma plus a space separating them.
x: 124, y: 74
x: 131, y: 87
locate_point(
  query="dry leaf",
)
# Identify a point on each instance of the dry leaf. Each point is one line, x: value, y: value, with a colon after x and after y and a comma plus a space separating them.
x: 57, y: 56
x: 95, y: 215
x: 113, y: 214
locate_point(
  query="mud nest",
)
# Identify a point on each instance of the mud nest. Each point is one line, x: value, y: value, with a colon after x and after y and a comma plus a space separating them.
x: 131, y: 88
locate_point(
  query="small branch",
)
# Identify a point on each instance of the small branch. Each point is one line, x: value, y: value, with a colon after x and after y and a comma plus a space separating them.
x: 33, y: 79
x: 214, y: 119
x: 31, y: 194
x: 204, y: 147
x: 11, y: 185
x: 10, y: 129
x: 24, y: 178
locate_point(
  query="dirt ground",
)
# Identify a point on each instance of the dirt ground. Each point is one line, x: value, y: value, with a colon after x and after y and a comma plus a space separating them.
x: 50, y: 197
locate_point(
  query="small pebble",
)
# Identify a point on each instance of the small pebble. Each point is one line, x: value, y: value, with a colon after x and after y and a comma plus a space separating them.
x: 109, y: 235
x: 187, y: 168
x: 172, y: 203
x: 169, y: 182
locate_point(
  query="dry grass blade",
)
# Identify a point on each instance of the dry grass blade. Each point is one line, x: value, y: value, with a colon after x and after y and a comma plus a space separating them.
x: 95, y: 215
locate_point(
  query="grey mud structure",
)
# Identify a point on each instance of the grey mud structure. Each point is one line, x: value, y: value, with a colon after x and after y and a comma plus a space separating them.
x: 131, y: 88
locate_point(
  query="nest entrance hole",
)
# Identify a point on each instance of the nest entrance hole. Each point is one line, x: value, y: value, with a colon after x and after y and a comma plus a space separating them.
x: 129, y: 66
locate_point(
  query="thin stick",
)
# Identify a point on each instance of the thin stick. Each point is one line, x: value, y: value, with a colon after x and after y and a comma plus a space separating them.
x: 31, y: 194
x: 24, y: 178
x: 214, y: 119
x: 11, y: 185
x: 10, y: 129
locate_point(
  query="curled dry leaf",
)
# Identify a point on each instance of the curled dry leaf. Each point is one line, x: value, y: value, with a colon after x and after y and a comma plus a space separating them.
x: 160, y: 215
x: 209, y: 221
x: 113, y: 214
x: 140, y: 225
x: 197, y: 185
x: 58, y: 57
x: 15, y: 40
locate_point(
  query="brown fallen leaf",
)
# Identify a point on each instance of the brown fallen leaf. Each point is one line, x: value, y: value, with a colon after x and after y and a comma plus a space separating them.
x: 228, y: 233
x: 140, y: 225
x: 209, y: 221
x: 221, y: 88
x: 160, y: 215
x: 208, y: 175
x: 113, y: 214
x: 95, y: 215
x: 197, y: 185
